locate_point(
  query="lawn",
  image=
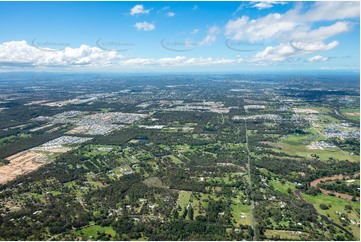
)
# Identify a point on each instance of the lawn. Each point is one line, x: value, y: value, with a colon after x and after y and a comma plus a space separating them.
x: 174, y: 159
x: 328, y: 119
x: 132, y: 159
x: 299, y: 139
x: 121, y: 169
x: 183, y: 199
x: 282, y: 187
x: 97, y: 150
x: 91, y: 231
x: 229, y: 179
x: 239, y: 209
x: 184, y: 148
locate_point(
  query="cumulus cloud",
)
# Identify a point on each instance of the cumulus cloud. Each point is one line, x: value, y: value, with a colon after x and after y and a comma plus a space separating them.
x: 144, y: 26
x: 138, y: 10
x: 294, y: 30
x: 318, y: 58
x: 170, y: 14
x: 288, y: 51
x: 265, y: 28
x: 21, y: 54
x: 296, y: 23
x: 265, y: 4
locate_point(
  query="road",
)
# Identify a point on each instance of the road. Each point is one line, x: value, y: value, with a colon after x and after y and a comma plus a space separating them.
x: 250, y: 183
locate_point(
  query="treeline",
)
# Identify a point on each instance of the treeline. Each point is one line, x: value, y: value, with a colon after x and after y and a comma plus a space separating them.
x: 27, y: 143
x: 312, y: 169
x: 342, y: 187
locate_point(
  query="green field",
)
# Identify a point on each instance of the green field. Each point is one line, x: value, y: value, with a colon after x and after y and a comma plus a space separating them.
x: 347, y: 112
x: 174, y: 159
x: 337, y: 205
x: 299, y: 139
x: 296, y: 144
x: 328, y: 119
x: 241, y: 212
x: 229, y: 179
x: 282, y: 187
x: 183, y: 199
x: 91, y: 232
x: 302, y: 150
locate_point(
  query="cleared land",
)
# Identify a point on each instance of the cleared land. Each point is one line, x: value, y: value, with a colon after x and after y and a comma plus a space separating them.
x: 20, y: 164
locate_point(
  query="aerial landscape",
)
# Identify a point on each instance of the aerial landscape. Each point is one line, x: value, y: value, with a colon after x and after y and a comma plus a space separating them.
x: 241, y: 126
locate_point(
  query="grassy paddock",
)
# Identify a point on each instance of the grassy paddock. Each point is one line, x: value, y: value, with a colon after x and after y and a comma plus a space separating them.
x: 91, y: 231
x: 283, y: 234
x: 337, y: 205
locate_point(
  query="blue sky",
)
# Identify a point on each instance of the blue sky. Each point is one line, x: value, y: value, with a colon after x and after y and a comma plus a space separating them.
x: 179, y: 36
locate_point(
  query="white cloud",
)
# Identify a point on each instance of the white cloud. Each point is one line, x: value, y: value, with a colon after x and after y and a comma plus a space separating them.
x: 294, y: 30
x: 265, y: 4
x: 21, y: 54
x: 211, y: 37
x: 178, y: 61
x: 318, y: 58
x: 209, y: 61
x: 167, y: 10
x: 324, y: 32
x: 296, y: 23
x: 288, y: 51
x: 269, y: 27
x: 334, y: 10
x: 144, y: 26
x: 138, y: 10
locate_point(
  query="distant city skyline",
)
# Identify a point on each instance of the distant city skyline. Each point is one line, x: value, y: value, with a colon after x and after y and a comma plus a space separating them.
x: 179, y: 36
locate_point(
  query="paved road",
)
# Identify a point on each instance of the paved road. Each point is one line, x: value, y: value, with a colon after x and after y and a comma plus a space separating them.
x: 250, y: 183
